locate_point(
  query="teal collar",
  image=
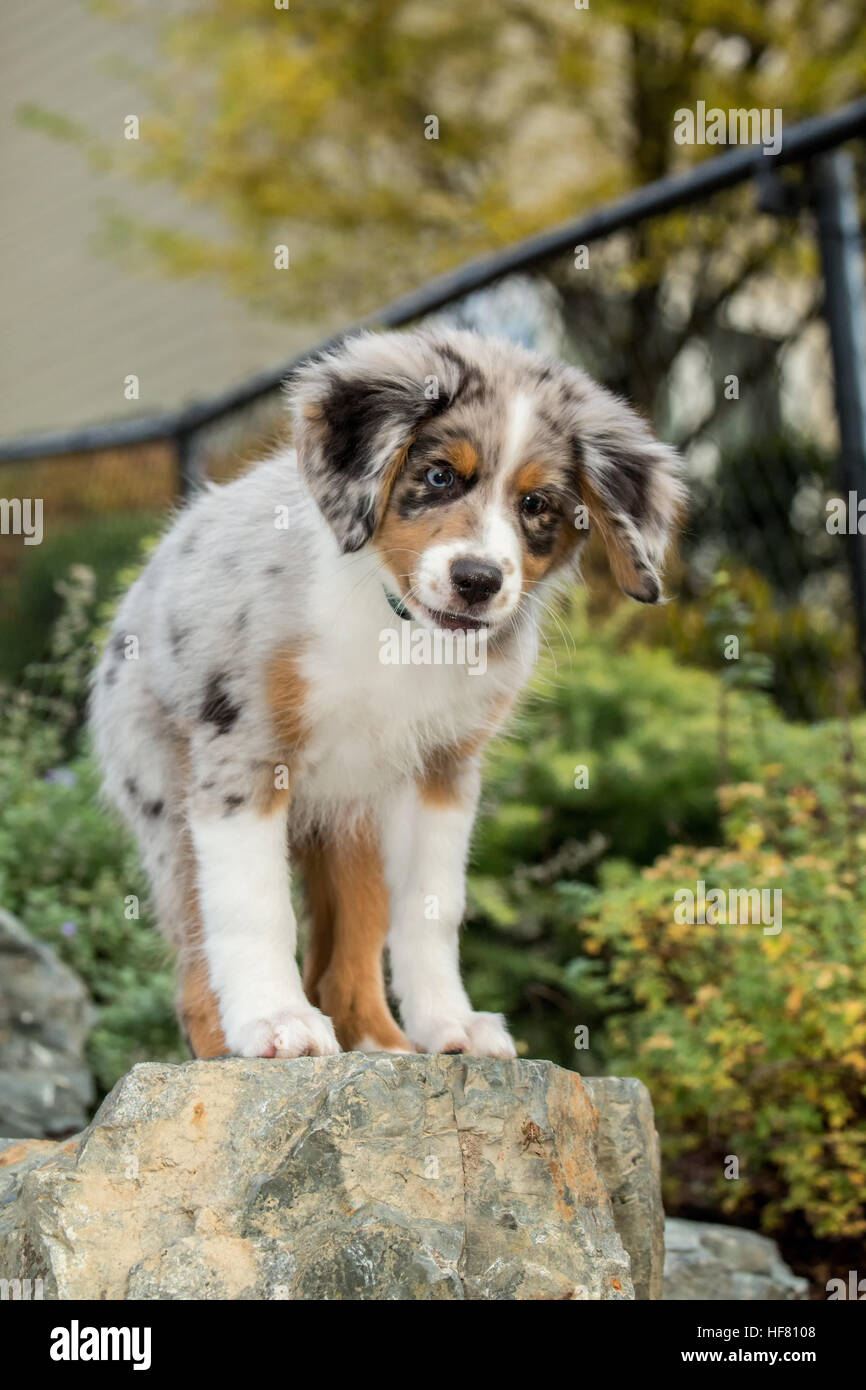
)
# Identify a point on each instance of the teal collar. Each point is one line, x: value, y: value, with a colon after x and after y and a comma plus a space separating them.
x: 398, y: 606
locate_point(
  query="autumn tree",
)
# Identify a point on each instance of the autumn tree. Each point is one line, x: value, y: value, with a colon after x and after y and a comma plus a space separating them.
x: 384, y: 142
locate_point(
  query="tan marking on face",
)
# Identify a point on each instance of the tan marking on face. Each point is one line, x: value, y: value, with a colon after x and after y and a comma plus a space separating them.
x: 401, y: 541
x: 463, y: 456
x: 532, y: 477
x: 393, y: 471
x: 535, y: 567
x: 349, y: 909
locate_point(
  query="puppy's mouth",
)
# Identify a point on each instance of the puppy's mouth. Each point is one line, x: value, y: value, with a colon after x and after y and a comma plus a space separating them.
x: 454, y: 622
x: 445, y: 618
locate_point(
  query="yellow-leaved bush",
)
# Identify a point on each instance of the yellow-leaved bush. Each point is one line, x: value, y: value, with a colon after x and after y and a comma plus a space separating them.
x: 752, y: 1041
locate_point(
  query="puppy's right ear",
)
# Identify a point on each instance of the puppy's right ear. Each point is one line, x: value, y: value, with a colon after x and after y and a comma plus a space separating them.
x: 356, y: 411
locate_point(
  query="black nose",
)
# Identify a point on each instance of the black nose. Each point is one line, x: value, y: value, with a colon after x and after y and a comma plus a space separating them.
x: 475, y: 581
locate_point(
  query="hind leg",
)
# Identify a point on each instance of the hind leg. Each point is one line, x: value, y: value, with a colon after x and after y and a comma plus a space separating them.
x: 349, y: 909
x: 145, y: 770
x: 198, y: 1013
x: 168, y: 858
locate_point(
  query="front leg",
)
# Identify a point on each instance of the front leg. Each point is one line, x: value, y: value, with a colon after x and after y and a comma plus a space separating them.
x: 248, y: 925
x: 427, y: 846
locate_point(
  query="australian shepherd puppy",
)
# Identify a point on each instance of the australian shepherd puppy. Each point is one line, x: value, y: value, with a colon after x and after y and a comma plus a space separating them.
x: 253, y: 721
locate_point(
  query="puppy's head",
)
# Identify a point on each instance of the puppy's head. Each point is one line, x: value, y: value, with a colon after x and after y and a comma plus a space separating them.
x: 475, y: 469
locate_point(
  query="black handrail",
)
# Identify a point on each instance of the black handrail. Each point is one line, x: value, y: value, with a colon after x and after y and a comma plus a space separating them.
x: 803, y: 142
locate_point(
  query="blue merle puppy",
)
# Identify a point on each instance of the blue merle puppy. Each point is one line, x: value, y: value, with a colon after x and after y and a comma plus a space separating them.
x: 249, y: 728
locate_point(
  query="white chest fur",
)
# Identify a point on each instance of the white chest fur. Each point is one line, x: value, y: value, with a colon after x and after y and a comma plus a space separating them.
x: 373, y: 721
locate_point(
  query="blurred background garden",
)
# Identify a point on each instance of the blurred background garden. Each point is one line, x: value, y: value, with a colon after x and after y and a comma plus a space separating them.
x: 646, y: 758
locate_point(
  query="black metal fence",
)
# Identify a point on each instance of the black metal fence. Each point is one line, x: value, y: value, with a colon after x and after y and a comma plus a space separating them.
x: 728, y: 303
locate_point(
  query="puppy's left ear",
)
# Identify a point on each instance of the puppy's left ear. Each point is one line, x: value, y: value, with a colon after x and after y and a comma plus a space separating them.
x: 356, y: 411
x: 630, y: 482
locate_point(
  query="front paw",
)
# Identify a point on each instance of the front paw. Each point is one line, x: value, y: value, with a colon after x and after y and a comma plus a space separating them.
x: 303, y: 1032
x: 480, y: 1035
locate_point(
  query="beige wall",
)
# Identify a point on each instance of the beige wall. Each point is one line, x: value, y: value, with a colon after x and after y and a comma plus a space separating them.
x: 74, y: 322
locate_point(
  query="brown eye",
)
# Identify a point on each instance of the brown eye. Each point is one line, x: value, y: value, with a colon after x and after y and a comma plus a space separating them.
x: 533, y: 504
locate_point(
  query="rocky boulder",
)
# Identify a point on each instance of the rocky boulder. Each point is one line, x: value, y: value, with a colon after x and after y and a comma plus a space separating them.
x: 350, y: 1177
x: 706, y: 1261
x: 629, y: 1155
x: 45, y: 1014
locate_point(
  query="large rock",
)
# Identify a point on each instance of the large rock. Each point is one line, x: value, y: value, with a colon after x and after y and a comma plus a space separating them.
x: 707, y: 1261
x: 45, y: 1014
x: 351, y: 1177
x: 629, y: 1155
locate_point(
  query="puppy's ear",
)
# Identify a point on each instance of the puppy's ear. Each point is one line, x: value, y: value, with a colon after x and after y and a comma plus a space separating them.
x: 630, y: 483
x: 356, y: 411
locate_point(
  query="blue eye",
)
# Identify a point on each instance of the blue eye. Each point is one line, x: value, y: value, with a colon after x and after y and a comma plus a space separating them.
x: 439, y: 476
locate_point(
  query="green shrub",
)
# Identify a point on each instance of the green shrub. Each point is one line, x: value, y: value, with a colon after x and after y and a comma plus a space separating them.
x: 67, y: 870
x: 31, y: 604
x: 646, y: 730
x: 809, y: 651
x: 752, y: 1043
